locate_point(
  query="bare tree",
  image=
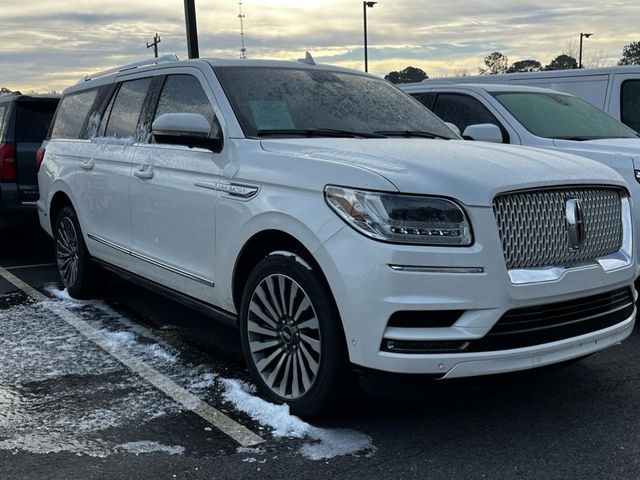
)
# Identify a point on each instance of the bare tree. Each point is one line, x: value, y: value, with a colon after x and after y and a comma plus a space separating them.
x: 496, y: 63
x: 461, y: 72
x: 598, y: 59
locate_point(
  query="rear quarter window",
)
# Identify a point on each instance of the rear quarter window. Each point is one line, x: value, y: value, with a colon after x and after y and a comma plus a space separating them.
x: 3, y: 109
x: 33, y: 121
x: 72, y: 114
x: 630, y: 103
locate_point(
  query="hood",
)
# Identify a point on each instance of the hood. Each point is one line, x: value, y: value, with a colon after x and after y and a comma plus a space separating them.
x: 471, y: 172
x: 616, y: 152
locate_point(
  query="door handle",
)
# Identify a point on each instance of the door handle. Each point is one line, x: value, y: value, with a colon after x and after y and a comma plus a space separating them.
x: 88, y: 164
x: 145, y: 172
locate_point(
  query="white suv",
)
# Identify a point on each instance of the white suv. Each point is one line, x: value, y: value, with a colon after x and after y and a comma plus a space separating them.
x: 337, y: 221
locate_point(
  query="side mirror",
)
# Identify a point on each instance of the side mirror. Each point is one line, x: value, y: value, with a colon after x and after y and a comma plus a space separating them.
x: 483, y: 132
x: 188, y: 129
x: 453, y: 127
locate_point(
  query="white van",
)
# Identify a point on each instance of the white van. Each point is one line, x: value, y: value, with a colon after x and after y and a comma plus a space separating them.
x: 616, y: 90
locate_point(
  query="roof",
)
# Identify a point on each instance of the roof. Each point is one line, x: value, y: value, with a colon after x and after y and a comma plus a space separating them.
x: 487, y: 87
x: 17, y: 96
x: 581, y: 72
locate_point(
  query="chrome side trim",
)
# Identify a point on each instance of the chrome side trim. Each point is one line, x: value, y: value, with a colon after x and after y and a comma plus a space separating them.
x: 233, y: 189
x: 620, y: 259
x: 416, y: 269
x: 151, y: 261
x: 115, y: 246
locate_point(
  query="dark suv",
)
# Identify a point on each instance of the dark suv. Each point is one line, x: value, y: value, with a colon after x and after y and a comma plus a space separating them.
x: 24, y: 122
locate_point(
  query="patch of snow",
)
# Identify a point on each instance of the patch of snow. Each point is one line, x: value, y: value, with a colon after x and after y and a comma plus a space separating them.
x: 146, y: 446
x: 324, y: 443
x: 253, y: 450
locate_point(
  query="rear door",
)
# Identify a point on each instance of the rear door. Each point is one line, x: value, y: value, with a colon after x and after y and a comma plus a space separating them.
x: 104, y: 177
x: 33, y: 117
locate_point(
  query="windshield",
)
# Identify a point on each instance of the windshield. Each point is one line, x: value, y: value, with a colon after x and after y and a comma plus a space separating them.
x: 551, y: 115
x: 291, y: 102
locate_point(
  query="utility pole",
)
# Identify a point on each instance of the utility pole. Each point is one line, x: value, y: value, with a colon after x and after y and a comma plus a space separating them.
x: 241, y: 16
x: 154, y: 44
x: 192, y: 29
x: 582, y: 35
x: 366, y: 5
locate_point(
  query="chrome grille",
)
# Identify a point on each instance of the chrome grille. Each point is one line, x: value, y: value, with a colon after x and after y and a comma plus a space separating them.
x: 533, y: 226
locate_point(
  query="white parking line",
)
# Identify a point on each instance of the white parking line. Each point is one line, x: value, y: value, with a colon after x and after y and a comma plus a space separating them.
x: 36, y: 265
x: 233, y: 429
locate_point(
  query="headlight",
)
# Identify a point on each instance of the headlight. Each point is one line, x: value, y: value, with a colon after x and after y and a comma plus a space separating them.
x: 400, y: 218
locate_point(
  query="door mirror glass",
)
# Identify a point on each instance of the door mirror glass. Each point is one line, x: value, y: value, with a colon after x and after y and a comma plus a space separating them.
x: 188, y: 129
x: 483, y: 132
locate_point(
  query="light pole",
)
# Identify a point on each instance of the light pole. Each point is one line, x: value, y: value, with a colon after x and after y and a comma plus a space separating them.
x: 582, y: 35
x: 366, y: 5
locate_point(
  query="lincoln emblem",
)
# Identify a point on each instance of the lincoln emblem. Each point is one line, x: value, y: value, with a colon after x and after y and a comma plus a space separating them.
x: 575, y: 223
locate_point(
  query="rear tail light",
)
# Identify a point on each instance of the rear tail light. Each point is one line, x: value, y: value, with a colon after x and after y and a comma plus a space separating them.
x: 39, y: 158
x: 7, y: 162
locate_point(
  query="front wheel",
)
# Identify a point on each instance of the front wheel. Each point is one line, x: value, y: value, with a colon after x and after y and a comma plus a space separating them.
x: 292, y: 338
x: 74, y: 262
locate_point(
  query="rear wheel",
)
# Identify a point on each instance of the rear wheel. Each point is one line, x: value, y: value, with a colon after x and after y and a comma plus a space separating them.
x: 76, y: 270
x: 292, y: 338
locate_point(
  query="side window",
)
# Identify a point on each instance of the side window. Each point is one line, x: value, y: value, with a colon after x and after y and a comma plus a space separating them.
x: 72, y: 114
x: 184, y: 94
x: 463, y: 110
x: 427, y: 99
x: 630, y: 111
x: 125, y: 113
x: 3, y: 109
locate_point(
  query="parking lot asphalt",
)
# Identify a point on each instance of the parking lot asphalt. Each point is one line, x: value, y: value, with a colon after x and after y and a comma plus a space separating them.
x: 106, y: 403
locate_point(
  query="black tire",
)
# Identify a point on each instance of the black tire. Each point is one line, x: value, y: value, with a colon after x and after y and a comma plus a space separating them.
x: 71, y: 253
x: 332, y: 381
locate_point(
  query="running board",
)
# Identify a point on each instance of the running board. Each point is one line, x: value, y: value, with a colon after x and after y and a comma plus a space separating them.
x: 205, y: 308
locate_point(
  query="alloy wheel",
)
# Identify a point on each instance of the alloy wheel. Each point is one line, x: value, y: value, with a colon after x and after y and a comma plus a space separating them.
x: 67, y: 251
x: 284, y: 336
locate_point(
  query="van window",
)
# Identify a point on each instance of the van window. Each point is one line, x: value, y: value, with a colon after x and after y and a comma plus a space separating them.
x: 427, y: 99
x: 184, y: 94
x: 3, y: 109
x: 464, y: 111
x: 72, y: 114
x: 127, y: 106
x: 33, y: 121
x: 631, y: 104
x: 551, y: 115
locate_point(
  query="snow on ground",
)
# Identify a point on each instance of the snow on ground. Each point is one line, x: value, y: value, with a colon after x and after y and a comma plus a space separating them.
x: 323, y: 443
x: 146, y: 446
x: 60, y: 392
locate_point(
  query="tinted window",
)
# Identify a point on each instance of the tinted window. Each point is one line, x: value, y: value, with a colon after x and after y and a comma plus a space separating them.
x: 123, y: 121
x: 463, y: 111
x: 552, y: 115
x: 3, y: 109
x: 427, y: 99
x: 33, y: 121
x: 308, y: 99
x: 184, y: 94
x: 631, y: 104
x: 72, y: 114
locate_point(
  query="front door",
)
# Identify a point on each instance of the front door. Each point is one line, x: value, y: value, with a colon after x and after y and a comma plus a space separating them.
x: 174, y: 199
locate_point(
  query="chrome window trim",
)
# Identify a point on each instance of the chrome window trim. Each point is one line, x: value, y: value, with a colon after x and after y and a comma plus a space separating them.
x: 152, y: 261
x: 620, y: 259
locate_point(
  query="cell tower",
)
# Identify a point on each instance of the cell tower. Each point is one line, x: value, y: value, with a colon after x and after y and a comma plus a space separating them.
x: 243, y: 50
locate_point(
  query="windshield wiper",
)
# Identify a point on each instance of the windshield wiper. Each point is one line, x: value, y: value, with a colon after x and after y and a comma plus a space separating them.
x: 411, y: 133
x: 578, y: 138
x: 317, y: 132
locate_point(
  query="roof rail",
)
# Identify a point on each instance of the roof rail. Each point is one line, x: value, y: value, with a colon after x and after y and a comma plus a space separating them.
x: 435, y: 80
x: 131, y: 66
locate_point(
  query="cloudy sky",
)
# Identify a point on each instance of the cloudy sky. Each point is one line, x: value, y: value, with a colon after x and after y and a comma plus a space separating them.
x: 48, y: 44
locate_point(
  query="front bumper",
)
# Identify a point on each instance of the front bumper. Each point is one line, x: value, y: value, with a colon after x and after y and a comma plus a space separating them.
x: 472, y: 280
